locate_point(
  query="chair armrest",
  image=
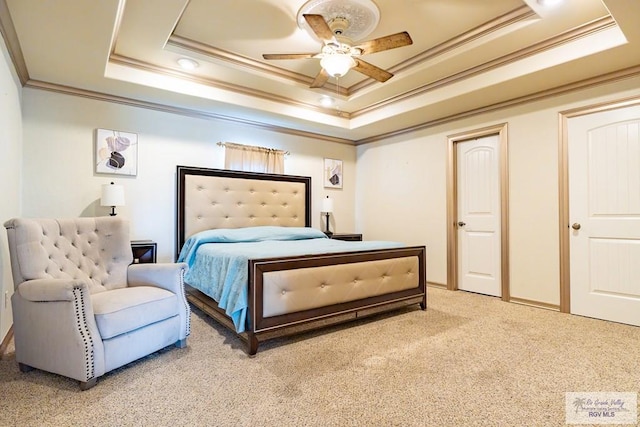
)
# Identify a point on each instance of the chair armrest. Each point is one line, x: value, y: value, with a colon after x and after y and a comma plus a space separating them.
x: 169, y: 276
x: 55, y: 328
x: 42, y: 290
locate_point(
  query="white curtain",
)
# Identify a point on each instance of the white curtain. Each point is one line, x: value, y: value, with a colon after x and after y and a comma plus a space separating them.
x: 253, y: 159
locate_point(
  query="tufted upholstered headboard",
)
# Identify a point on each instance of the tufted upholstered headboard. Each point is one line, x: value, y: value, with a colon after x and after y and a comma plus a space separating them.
x: 217, y: 198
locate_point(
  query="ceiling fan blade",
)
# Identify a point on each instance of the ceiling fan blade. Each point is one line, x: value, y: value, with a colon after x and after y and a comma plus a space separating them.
x: 288, y: 55
x: 384, y: 43
x: 371, y: 70
x: 319, y: 26
x: 320, y: 79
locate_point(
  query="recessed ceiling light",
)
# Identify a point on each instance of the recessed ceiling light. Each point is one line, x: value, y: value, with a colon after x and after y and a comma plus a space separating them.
x: 327, y: 101
x: 187, y: 64
x: 549, y: 2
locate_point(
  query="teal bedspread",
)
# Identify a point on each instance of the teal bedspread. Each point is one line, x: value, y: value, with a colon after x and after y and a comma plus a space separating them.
x: 218, y: 259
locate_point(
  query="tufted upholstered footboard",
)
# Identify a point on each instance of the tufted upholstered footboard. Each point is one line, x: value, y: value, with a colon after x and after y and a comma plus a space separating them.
x: 292, y: 294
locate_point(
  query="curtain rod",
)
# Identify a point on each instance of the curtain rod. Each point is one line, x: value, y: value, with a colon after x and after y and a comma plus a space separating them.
x: 222, y: 144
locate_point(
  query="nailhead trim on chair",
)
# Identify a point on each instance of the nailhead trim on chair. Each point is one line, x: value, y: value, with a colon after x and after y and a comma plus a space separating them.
x: 186, y: 305
x: 81, y: 319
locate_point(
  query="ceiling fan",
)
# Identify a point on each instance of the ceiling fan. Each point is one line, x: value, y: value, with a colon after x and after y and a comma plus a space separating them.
x: 339, y: 54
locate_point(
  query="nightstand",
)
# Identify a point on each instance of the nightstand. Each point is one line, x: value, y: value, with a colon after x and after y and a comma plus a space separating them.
x: 352, y: 237
x: 144, y: 251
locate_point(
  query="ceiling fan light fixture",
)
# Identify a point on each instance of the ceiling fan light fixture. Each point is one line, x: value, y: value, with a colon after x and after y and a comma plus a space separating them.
x: 338, y: 51
x: 337, y: 65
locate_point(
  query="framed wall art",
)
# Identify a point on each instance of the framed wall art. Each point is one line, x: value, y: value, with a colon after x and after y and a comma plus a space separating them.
x: 116, y: 152
x: 332, y: 173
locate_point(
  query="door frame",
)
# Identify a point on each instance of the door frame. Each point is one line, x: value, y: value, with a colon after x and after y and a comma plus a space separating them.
x: 563, y: 186
x: 452, y: 203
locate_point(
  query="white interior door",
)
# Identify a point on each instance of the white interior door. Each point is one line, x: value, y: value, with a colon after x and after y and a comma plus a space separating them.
x: 604, y: 212
x: 478, y: 189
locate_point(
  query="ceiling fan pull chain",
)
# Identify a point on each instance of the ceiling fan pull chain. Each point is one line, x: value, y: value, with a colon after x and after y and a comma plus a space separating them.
x: 337, y: 87
x: 338, y: 95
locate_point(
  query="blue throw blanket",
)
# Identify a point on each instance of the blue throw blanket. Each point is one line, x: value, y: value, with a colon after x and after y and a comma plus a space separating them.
x: 250, y: 234
x: 218, y: 259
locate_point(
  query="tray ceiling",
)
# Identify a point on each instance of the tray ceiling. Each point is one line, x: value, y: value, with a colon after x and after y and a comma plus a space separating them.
x: 467, y: 56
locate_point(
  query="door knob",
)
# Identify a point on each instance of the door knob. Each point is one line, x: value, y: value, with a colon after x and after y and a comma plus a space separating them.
x: 576, y: 226
x: 461, y: 224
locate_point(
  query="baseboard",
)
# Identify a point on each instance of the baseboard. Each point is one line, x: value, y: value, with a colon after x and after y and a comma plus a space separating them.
x: 5, y: 342
x: 515, y: 300
x: 436, y: 285
x: 537, y: 304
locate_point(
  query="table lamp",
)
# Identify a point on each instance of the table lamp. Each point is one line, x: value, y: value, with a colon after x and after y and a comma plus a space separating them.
x: 112, y: 195
x: 327, y: 208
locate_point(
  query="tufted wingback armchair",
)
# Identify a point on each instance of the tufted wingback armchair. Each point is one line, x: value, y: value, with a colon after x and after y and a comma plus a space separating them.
x: 80, y: 308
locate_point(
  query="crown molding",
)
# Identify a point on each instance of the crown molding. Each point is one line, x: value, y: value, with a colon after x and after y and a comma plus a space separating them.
x: 553, y: 42
x: 515, y: 16
x: 628, y: 73
x: 590, y: 83
x: 219, y: 84
x: 8, y: 32
x: 68, y: 90
x: 613, y: 77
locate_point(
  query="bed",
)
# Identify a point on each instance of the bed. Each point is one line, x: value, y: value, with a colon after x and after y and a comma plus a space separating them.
x: 286, y: 290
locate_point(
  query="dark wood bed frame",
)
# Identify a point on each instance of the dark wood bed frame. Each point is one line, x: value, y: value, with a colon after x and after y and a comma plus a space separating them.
x: 260, y: 328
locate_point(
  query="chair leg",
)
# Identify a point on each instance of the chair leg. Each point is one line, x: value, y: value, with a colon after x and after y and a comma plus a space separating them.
x: 25, y: 368
x: 181, y: 343
x: 87, y: 385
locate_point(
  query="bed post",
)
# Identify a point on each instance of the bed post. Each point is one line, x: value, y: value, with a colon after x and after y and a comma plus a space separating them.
x: 252, y: 344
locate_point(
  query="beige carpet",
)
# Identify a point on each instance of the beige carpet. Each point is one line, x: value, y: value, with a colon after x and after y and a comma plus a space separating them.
x: 468, y: 360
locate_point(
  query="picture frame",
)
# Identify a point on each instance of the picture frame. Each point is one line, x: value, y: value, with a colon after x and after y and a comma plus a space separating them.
x: 332, y: 173
x: 116, y: 152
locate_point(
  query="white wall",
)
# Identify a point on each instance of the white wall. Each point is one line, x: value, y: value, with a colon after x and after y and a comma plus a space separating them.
x: 59, y: 178
x: 402, y: 197
x: 401, y: 190
x: 10, y: 147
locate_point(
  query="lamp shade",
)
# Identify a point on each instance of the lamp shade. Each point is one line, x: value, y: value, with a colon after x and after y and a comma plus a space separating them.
x: 327, y: 205
x: 337, y: 64
x: 112, y: 195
